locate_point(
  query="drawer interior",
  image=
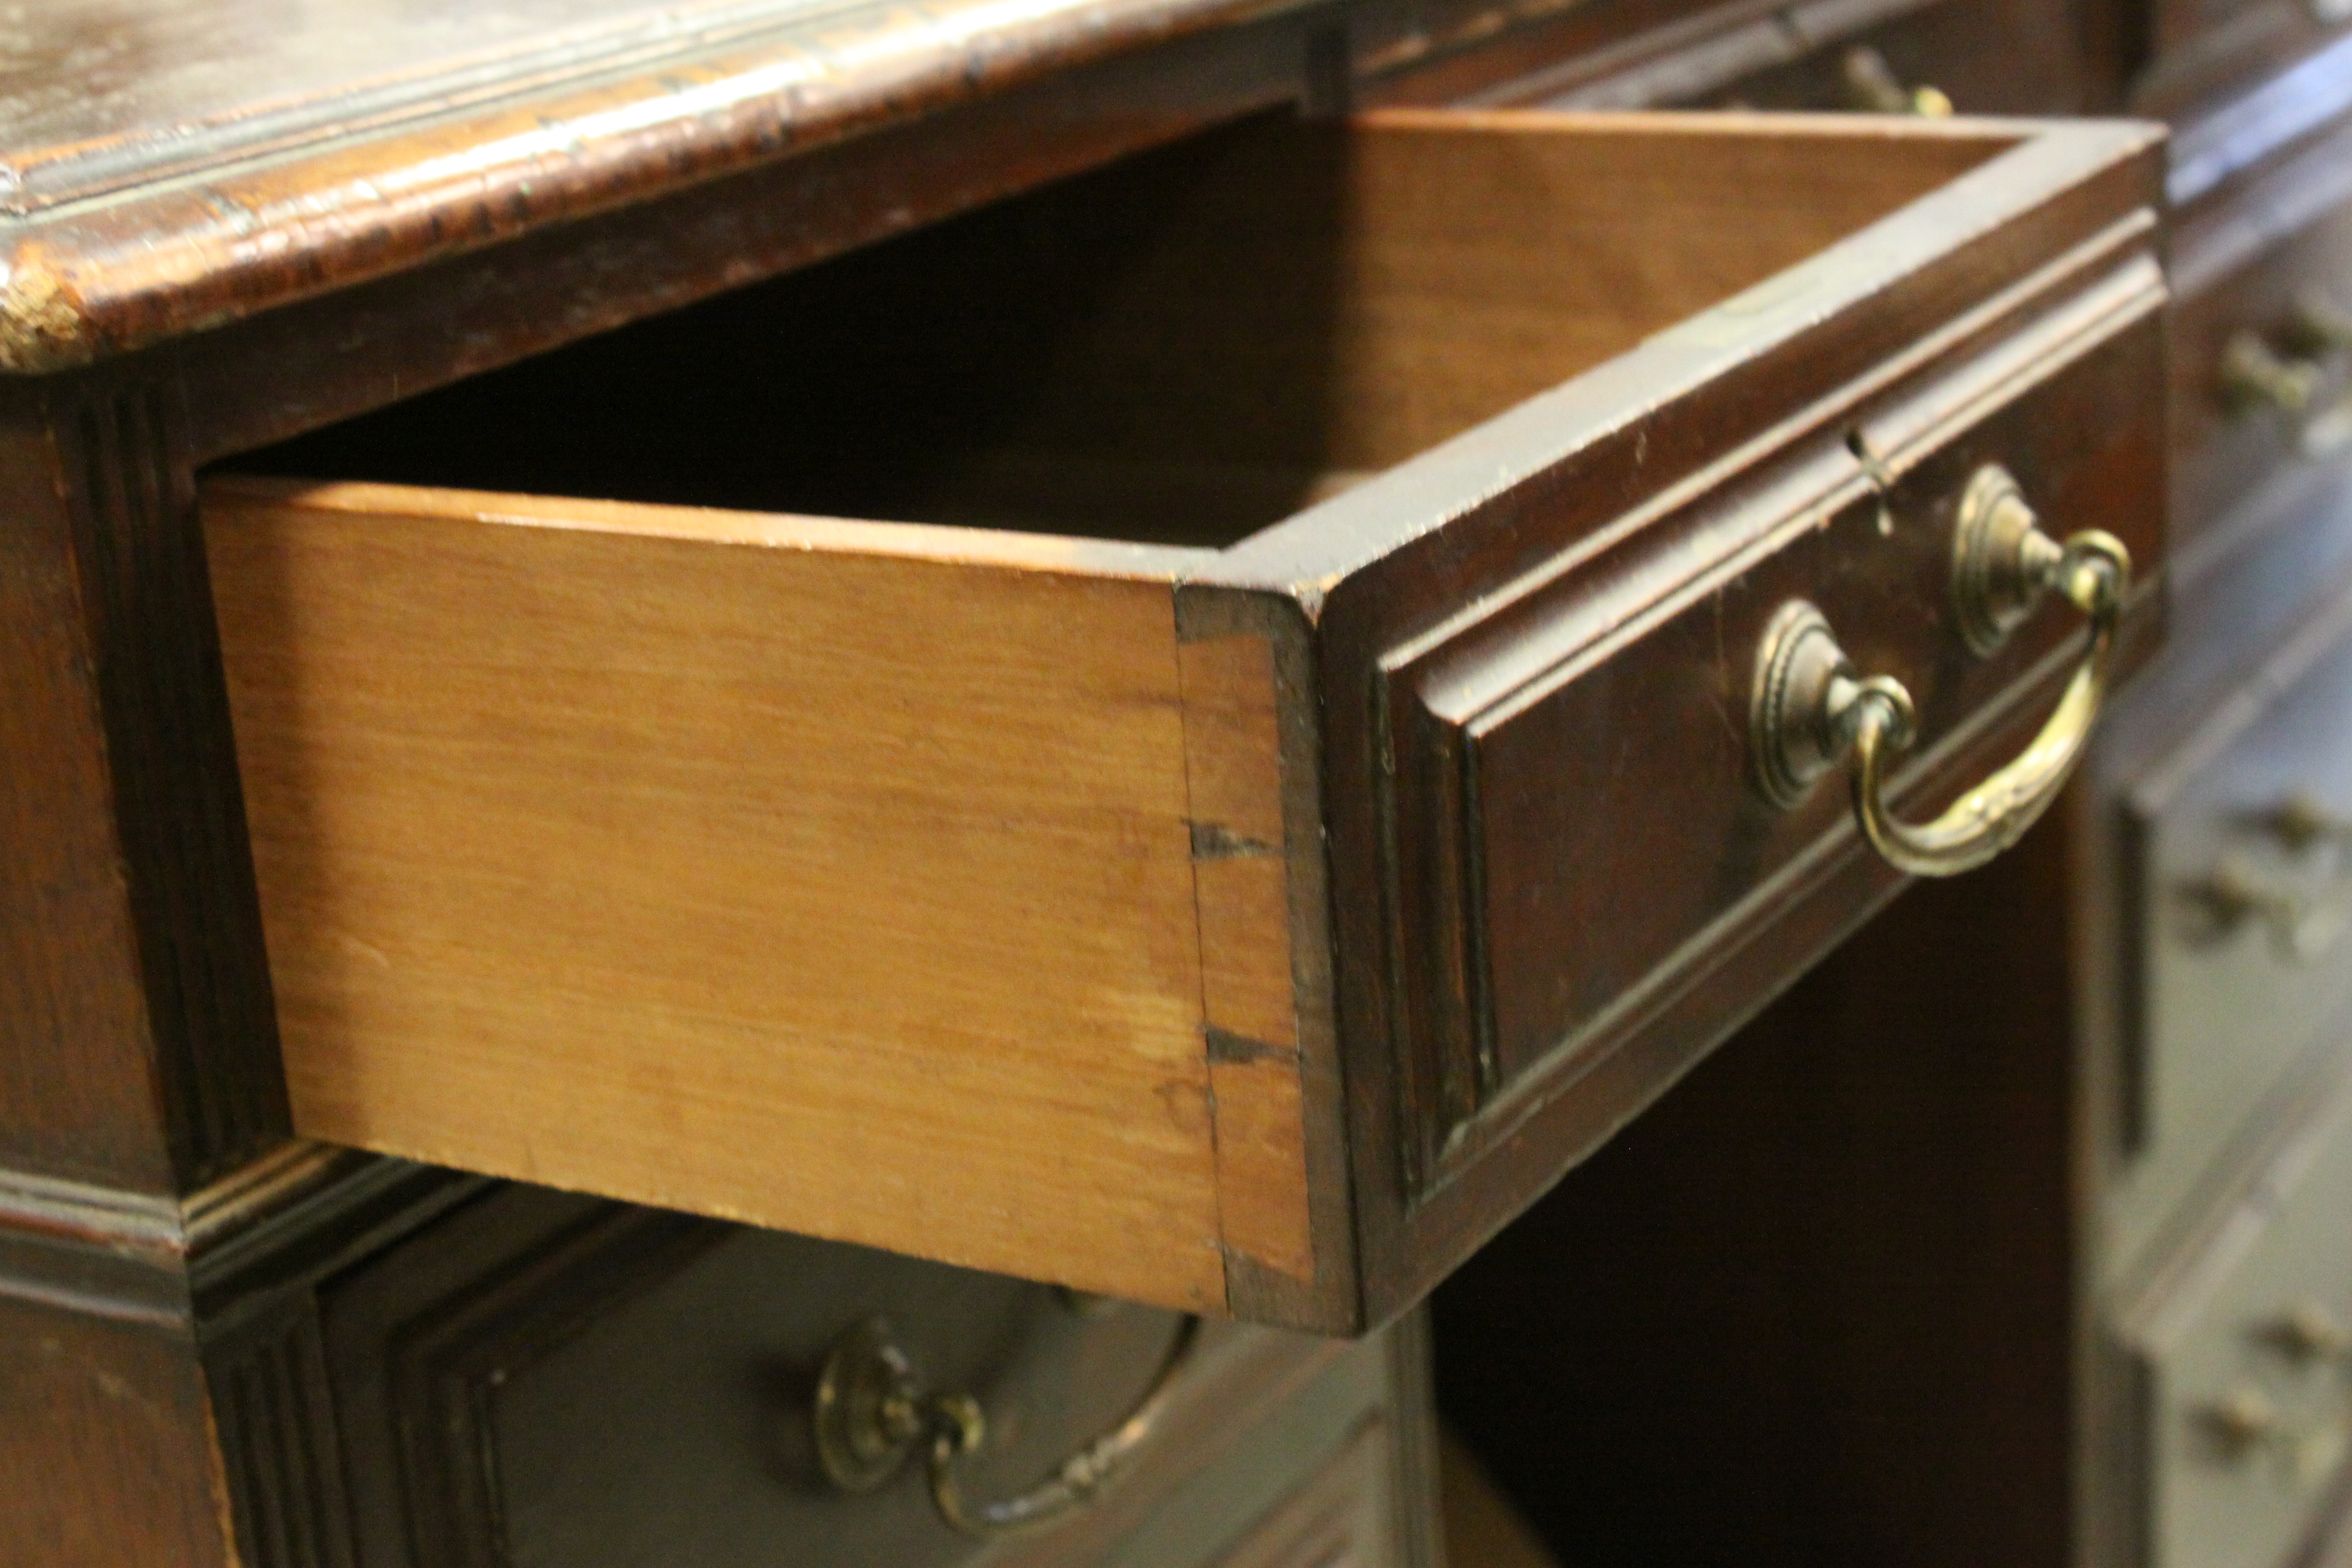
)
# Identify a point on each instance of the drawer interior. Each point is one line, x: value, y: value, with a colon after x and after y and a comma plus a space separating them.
x: 1182, y: 349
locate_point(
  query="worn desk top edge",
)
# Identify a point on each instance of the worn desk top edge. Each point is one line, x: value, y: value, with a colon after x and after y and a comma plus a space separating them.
x: 126, y: 255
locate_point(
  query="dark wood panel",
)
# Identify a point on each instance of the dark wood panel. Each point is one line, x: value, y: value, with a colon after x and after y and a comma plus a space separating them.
x: 160, y: 1362
x: 76, y: 1056
x: 1825, y: 1306
x: 137, y: 1040
x: 107, y: 1454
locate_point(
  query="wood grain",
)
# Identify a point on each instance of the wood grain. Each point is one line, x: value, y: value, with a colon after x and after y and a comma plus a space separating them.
x: 723, y: 864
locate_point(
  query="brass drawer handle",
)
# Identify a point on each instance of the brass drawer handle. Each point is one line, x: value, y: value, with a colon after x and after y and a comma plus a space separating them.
x: 1812, y: 710
x: 2305, y: 922
x: 872, y: 1409
x: 2303, y: 822
x: 2255, y: 376
x: 2311, y: 1335
x: 2320, y: 325
x: 2303, y: 929
x: 2246, y: 1425
x: 1873, y: 87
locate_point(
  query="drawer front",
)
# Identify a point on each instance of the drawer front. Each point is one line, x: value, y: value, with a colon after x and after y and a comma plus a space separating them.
x: 1344, y: 776
x: 2238, y: 844
x: 2244, y: 1370
x: 2262, y: 367
x: 1656, y: 857
x: 543, y: 1381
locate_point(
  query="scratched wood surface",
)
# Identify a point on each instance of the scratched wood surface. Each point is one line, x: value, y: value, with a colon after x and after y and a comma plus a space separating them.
x: 168, y: 168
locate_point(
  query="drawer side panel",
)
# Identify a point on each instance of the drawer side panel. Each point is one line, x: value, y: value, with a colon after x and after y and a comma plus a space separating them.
x: 838, y: 890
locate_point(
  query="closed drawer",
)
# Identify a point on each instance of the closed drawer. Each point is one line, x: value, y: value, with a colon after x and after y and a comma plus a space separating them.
x: 1345, y: 679
x: 548, y: 1380
x: 1874, y: 56
x: 2237, y: 844
x: 2243, y: 1376
x: 2202, y: 50
x: 2262, y: 368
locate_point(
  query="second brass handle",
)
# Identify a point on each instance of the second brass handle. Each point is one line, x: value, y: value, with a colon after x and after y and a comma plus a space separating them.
x: 2292, y: 383
x: 1813, y: 710
x: 872, y: 1410
x: 2303, y: 929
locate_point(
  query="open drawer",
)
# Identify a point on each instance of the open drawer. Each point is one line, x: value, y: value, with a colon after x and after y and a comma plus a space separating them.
x: 1301, y: 765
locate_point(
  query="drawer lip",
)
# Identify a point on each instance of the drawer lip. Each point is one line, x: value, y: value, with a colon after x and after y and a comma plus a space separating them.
x: 1239, y: 675
x: 2049, y: 176
x: 946, y: 547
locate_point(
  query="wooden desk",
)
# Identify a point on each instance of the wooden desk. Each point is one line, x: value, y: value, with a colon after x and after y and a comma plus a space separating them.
x: 1394, y: 795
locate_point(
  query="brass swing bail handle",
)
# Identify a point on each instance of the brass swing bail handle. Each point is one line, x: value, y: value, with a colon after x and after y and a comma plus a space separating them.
x: 1814, y: 711
x: 872, y: 1410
